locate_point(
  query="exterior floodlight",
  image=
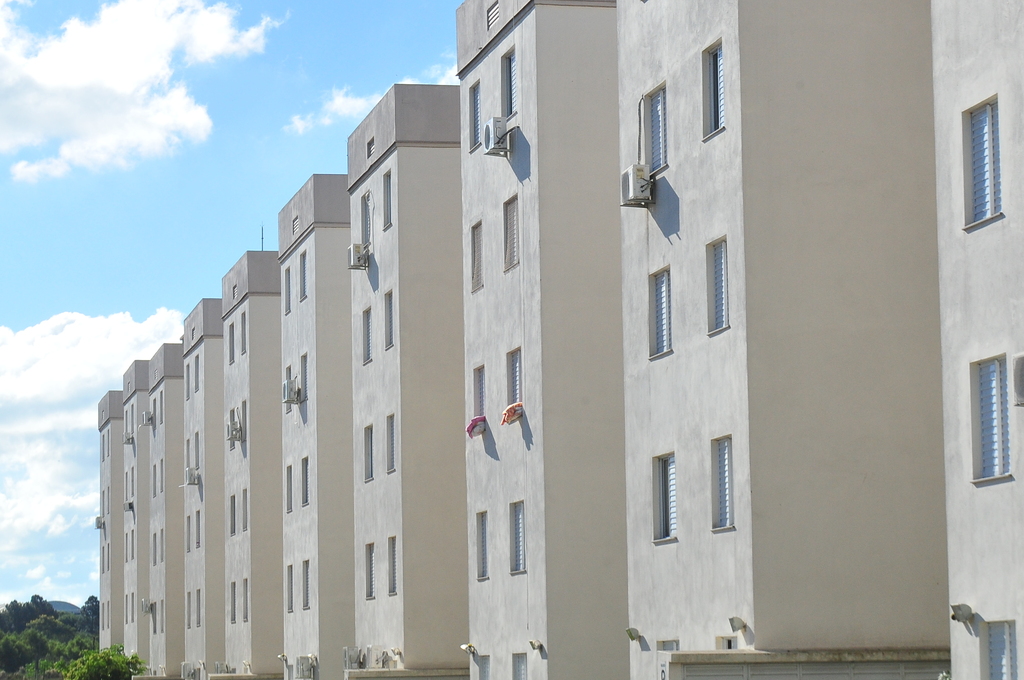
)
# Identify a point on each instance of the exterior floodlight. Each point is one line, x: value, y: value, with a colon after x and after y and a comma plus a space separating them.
x: 633, y: 634
x: 283, y: 657
x: 536, y: 644
x: 961, y: 612
x: 468, y: 648
x: 737, y: 623
x: 396, y: 651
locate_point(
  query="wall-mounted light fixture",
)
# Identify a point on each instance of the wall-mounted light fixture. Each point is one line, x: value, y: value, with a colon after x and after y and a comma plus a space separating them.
x: 633, y: 634
x: 283, y: 657
x: 468, y: 648
x: 536, y: 644
x: 737, y: 623
x: 961, y: 612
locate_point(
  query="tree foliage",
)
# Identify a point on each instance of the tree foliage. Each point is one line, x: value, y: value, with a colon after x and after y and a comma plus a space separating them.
x: 104, y: 664
x: 35, y: 638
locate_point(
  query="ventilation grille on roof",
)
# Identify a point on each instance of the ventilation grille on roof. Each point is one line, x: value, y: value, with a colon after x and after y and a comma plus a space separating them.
x: 492, y: 15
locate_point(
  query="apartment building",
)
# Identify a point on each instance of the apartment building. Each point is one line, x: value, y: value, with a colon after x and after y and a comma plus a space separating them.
x: 204, y: 491
x: 110, y: 521
x: 316, y: 430
x: 543, y: 339
x: 252, y: 464
x: 136, y: 509
x: 978, y: 48
x: 164, y: 425
x: 408, y: 465
x: 783, y: 432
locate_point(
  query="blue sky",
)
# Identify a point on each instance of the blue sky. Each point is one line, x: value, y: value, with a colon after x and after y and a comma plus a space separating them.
x: 142, y: 145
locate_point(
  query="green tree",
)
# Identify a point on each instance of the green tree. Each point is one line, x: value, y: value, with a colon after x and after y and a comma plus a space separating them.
x: 91, y: 615
x: 14, y: 653
x: 52, y: 628
x: 105, y: 664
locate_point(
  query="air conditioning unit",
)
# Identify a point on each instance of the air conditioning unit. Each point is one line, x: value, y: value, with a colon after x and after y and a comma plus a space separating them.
x: 129, y: 506
x: 188, y: 672
x: 99, y: 521
x: 496, y: 138
x: 359, y: 256
x: 290, y: 392
x: 147, y: 418
x: 129, y: 438
x: 353, y: 658
x: 376, y: 656
x: 145, y: 606
x: 304, y: 667
x: 234, y: 431
x: 191, y: 476
x: 636, y: 186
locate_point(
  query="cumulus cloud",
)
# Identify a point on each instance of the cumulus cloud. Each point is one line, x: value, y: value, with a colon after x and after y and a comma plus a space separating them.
x: 51, y: 377
x: 105, y: 89
x: 339, y: 104
x: 446, y: 73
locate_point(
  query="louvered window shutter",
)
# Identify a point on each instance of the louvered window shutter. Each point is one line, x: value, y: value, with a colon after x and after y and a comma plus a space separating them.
x: 512, y: 233
x: 474, y: 96
x: 670, y: 495
x: 658, y: 151
x: 513, y: 85
x: 515, y: 392
x: 389, y: 319
x: 479, y: 389
x: 987, y: 189
x: 721, y: 282
x: 393, y: 562
x: 662, y: 313
x: 367, y: 336
x: 481, y: 569
x: 724, y: 491
x: 476, y: 256
x: 993, y: 421
x: 717, y: 89
x: 391, y: 443
x: 1000, y: 651
x: 518, y: 538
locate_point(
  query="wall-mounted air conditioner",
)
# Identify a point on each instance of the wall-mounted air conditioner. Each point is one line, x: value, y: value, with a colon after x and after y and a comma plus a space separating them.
x: 359, y: 256
x: 234, y: 431
x: 304, y: 667
x: 129, y: 438
x: 147, y: 418
x: 145, y: 606
x: 290, y: 392
x: 636, y: 186
x: 188, y: 672
x: 353, y: 658
x: 496, y: 138
x: 377, y: 656
x: 191, y: 476
x: 129, y: 506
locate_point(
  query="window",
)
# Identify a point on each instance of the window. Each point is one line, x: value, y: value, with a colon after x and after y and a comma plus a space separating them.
x: 199, y: 538
x: 370, y: 585
x: 665, y: 496
x: 366, y: 207
x: 154, y: 480
x: 714, y: 90
x: 242, y: 333
x: 231, y: 343
x: 368, y: 453
x: 656, y: 117
x: 512, y: 233
x: 515, y: 365
x: 199, y: 608
x: 476, y: 256
x: 304, y: 377
x: 723, y: 483
x: 188, y: 533
x: 133, y: 544
x: 291, y: 589
x: 510, y: 84
x: 161, y: 476
x: 287, y: 290
x: 986, y: 198
x: 993, y: 419
x: 231, y: 515
x: 518, y: 536
x: 367, y: 336
x: 303, y: 277
x: 391, y: 443
x: 389, y: 319
x: 245, y: 509
x: 295, y: 224
x: 188, y: 609
x: 479, y: 385
x: 1002, y: 651
x: 305, y: 481
x: 194, y: 387
x: 233, y: 602
x: 484, y: 662
x: 369, y: 147
x: 154, y: 549
x: 481, y: 545
x: 305, y: 584
x: 493, y: 14
x: 288, y: 379
x: 392, y: 565
x: 661, y: 313
x: 163, y: 546
x: 474, y: 109
x: 387, y: 200
x: 232, y: 421
x: 196, y: 448
x: 518, y: 667
x: 718, y: 286
x: 243, y: 419
x: 188, y: 381
x: 245, y: 599
x: 288, y: 489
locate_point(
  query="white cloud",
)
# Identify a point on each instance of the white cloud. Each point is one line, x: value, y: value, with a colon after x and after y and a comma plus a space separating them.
x: 105, y: 89
x: 36, y: 572
x: 439, y: 74
x: 340, y: 104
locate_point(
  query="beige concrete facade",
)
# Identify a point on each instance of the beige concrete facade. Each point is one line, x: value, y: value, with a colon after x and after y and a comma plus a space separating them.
x: 166, y: 617
x: 978, y: 48
x: 551, y: 594
x: 204, y: 490
x: 823, y: 380
x: 408, y: 464
x: 316, y: 431
x: 252, y: 464
x: 136, y: 509
x: 111, y: 518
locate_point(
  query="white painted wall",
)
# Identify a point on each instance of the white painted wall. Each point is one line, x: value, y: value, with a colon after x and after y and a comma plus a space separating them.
x: 136, y: 521
x: 111, y: 429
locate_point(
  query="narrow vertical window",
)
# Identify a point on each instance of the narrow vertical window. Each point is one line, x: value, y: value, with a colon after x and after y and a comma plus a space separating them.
x: 656, y: 118
x: 481, y: 545
x: 714, y: 92
x: 288, y: 489
x: 517, y: 523
x: 661, y: 313
x: 162, y: 402
x: 303, y: 277
x: 389, y: 319
x: 1001, y: 651
x: 367, y: 336
x: 154, y: 549
x: 986, y: 186
x: 723, y: 483
x: 304, y: 377
x: 195, y: 386
x: 993, y: 419
x: 287, y: 290
x: 188, y: 381
x: 367, y: 217
x: 305, y: 481
x: 232, y: 423
x: 243, y: 419
x: 368, y: 453
x: 154, y: 480
x: 233, y: 601
x: 199, y: 533
x: 476, y: 257
x: 290, y: 585
x: 199, y: 608
x: 665, y: 496
x: 188, y: 609
x: 718, y: 286
x: 392, y: 565
x: 231, y: 343
x: 515, y: 370
x: 369, y: 576
x: 231, y: 515
x: 245, y: 600
x: 188, y: 534
x: 510, y: 95
x: 305, y: 584
x: 518, y: 667
x: 163, y: 547
x: 474, y: 112
x: 391, y: 443
x: 387, y: 200
x: 245, y: 509
x: 479, y: 386
x: 243, y: 335
x: 511, y: 232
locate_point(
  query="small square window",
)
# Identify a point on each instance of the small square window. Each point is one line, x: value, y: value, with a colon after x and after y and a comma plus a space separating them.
x: 493, y: 14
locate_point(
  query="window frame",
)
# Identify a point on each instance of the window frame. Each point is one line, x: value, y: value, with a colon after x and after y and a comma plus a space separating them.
x: 389, y: 320
x: 714, y: 89
x: 482, y: 562
x: 665, y: 495
x: 511, y: 232
x: 660, y: 306
x: 369, y: 575
x: 509, y: 84
x: 388, y: 207
x: 367, y: 328
x: 715, y: 292
x: 392, y: 444
x: 476, y: 257
x: 651, y: 106
x: 517, y: 537
x: 992, y: 157
x: 514, y: 368
x: 723, y: 509
x: 1003, y: 453
x: 475, y: 122
x: 368, y: 453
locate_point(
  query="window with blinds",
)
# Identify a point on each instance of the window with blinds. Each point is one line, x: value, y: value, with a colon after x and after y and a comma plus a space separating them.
x: 986, y: 186
x: 368, y: 453
x: 723, y: 483
x: 231, y: 516
x: 245, y: 509
x: 511, y: 233
x: 1001, y: 651
x: 367, y: 336
x: 714, y: 93
x: 665, y: 496
x: 993, y: 419
x: 243, y: 332
x: 305, y: 584
x: 517, y: 521
x: 305, y: 480
x: 188, y: 609
x: 392, y: 565
x: 199, y: 608
x: 288, y: 489
x: 510, y: 80
x: 291, y: 588
x: 661, y: 313
x: 369, y: 576
x: 234, y: 609
x: 367, y: 217
x: 718, y: 286
x: 391, y: 443
x: 481, y: 545
x: 199, y: 536
x: 389, y: 320
x: 245, y: 600
x: 231, y: 343
x: 387, y: 200
x: 474, y: 116
x: 515, y: 371
x: 518, y: 667
x: 476, y: 257
x: 479, y: 391
x: 304, y: 377
x: 656, y: 119
x: 287, y: 299
x: 188, y: 537
x: 303, y: 277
